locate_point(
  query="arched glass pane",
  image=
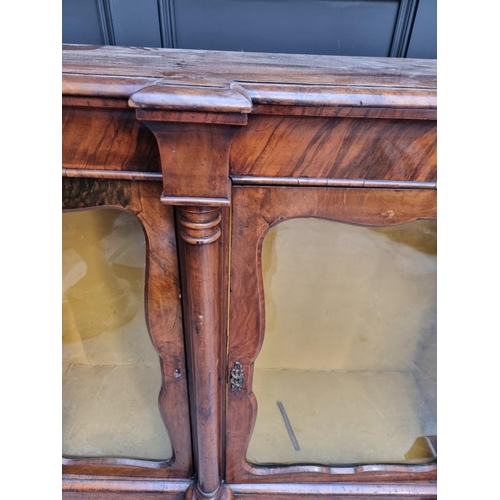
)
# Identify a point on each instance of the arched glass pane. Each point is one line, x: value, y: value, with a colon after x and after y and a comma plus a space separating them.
x: 111, y: 371
x: 347, y: 371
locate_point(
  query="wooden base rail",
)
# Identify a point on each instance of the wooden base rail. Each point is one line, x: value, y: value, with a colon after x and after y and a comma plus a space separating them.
x: 334, y: 490
x: 143, y: 488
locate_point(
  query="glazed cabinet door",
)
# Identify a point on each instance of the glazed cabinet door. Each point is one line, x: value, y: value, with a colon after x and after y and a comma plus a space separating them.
x: 332, y: 336
x: 125, y: 397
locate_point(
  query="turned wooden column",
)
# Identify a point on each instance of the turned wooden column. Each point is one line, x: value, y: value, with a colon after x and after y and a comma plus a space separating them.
x: 194, y: 151
x: 199, y: 230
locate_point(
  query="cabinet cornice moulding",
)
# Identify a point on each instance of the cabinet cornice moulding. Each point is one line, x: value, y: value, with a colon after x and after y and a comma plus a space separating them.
x: 233, y: 82
x: 198, y: 99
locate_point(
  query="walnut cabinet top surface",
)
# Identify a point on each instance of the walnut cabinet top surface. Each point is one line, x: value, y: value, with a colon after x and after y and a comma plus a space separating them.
x: 237, y: 81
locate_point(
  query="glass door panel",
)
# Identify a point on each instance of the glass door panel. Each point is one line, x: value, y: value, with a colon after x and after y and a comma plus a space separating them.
x: 111, y: 371
x: 347, y: 370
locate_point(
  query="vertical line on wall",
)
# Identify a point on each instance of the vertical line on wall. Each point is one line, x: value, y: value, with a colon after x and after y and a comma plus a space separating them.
x: 168, y: 30
x: 403, y: 28
x: 106, y: 22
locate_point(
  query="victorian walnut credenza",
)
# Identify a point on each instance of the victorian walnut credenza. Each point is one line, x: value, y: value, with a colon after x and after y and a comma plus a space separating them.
x: 249, y: 275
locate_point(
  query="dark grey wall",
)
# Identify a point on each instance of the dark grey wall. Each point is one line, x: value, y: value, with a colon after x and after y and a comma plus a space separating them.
x: 424, y: 34
x: 297, y: 26
x: 81, y: 22
x: 383, y: 28
x: 135, y: 22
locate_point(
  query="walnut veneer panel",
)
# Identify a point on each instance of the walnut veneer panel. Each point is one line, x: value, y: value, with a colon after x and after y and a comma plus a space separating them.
x: 355, y: 148
x: 106, y: 138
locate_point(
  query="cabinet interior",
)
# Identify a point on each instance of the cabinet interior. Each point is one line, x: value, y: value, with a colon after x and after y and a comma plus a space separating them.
x: 111, y: 371
x: 349, y: 352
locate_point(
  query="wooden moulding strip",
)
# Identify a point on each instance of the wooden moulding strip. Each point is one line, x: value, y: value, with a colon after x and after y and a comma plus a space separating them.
x: 191, y: 98
x: 350, y: 96
x: 81, y: 84
x: 113, y: 484
x: 326, y: 490
x: 112, y: 174
x: 321, y: 182
x: 280, y: 490
x: 194, y: 201
x: 191, y: 117
x: 95, y: 102
x: 248, y: 180
x: 346, y: 112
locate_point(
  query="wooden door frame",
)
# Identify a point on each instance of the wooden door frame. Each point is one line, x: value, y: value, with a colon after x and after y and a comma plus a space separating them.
x: 255, y: 211
x: 163, y: 319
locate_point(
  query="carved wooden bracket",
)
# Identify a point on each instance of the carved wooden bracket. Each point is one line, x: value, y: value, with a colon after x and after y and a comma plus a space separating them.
x: 194, y: 128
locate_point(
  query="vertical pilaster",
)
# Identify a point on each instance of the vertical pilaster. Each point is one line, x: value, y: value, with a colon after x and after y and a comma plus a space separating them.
x: 199, y: 230
x: 194, y: 151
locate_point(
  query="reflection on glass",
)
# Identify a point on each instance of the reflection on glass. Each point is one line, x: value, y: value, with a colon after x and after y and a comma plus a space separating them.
x: 349, y: 354
x: 111, y: 371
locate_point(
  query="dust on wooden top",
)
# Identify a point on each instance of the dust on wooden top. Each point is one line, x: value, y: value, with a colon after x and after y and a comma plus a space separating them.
x: 122, y: 71
x: 219, y: 69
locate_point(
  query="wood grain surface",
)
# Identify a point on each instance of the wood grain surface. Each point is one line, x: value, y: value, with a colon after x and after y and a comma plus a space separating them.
x: 201, y: 251
x: 194, y: 158
x: 354, y: 148
x: 107, y: 138
x: 219, y: 69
